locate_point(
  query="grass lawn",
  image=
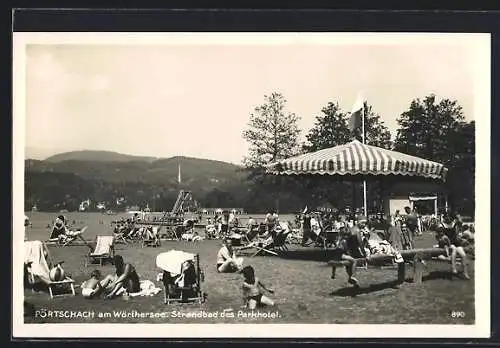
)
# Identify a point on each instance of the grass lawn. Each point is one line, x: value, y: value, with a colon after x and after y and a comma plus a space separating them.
x: 304, y: 291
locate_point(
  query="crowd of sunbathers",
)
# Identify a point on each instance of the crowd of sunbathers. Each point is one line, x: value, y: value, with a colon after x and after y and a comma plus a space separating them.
x: 361, y: 241
x: 357, y: 240
x: 126, y: 281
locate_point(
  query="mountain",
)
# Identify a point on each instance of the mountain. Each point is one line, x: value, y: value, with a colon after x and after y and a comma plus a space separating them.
x: 101, y: 156
x: 102, y: 176
x: 194, y: 171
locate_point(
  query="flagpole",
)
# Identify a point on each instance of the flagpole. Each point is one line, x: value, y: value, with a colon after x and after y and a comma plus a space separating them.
x: 364, y: 181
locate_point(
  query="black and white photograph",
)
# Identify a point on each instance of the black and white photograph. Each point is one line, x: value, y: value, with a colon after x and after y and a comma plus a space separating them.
x: 315, y: 184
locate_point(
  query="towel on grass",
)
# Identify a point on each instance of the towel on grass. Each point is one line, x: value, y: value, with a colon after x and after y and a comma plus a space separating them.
x: 148, y: 288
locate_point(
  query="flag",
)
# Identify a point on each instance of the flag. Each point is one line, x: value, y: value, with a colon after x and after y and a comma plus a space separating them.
x: 357, y: 114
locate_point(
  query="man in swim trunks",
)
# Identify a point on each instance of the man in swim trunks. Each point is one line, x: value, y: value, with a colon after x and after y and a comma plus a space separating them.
x: 350, y: 248
x: 126, y: 277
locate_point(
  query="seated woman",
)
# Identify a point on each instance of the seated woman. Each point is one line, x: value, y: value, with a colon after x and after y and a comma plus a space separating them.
x: 252, y: 290
x: 59, y: 230
x: 448, y: 238
x: 252, y: 229
x: 186, y: 279
x: 467, y: 241
x: 227, y: 262
x: 126, y: 277
x: 95, y: 286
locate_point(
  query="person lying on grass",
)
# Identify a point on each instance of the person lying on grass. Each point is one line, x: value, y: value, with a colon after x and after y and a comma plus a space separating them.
x: 126, y: 277
x: 375, y: 245
x: 252, y: 290
x: 227, y: 262
x: 349, y: 248
x: 95, y: 286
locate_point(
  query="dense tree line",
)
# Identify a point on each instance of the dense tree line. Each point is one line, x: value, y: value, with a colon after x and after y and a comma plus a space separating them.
x: 431, y: 129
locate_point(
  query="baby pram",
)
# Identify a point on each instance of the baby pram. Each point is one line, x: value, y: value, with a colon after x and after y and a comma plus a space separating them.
x: 181, y: 276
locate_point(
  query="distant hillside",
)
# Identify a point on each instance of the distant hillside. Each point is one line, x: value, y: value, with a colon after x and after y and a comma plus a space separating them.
x: 101, y: 156
x: 202, y: 173
x: 50, y: 183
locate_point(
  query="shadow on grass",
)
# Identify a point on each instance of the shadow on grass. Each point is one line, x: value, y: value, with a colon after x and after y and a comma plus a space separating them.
x: 352, y: 291
x: 311, y: 254
x: 306, y: 254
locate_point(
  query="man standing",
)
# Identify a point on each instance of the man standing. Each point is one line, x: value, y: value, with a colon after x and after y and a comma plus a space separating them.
x: 306, y: 228
x: 271, y: 220
x: 26, y: 224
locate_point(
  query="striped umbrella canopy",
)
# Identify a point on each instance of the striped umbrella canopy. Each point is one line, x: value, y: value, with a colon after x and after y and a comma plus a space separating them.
x: 356, y: 158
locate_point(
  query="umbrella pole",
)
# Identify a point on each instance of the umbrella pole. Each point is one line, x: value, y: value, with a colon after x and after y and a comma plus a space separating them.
x: 364, y: 140
x: 364, y: 198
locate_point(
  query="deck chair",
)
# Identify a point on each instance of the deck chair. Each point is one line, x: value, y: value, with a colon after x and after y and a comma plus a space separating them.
x: 37, y: 265
x: 69, y: 238
x: 273, y: 244
x: 151, y: 237
x: 119, y: 234
x: 104, y: 250
x: 181, y: 276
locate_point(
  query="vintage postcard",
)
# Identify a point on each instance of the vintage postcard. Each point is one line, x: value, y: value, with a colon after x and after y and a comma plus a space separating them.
x: 251, y: 185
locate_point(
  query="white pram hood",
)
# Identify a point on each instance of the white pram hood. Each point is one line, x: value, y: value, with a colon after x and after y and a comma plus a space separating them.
x: 171, y: 261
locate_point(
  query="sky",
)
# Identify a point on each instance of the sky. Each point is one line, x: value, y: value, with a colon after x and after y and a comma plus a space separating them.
x: 194, y: 98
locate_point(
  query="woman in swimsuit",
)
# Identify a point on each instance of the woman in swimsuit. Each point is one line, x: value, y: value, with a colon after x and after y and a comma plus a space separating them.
x: 448, y: 236
x: 252, y: 290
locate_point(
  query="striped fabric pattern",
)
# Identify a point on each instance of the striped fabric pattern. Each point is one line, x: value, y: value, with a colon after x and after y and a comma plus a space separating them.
x: 356, y: 158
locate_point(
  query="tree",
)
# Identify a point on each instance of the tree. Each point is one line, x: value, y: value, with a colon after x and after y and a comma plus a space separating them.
x: 427, y: 129
x: 331, y: 129
x: 438, y: 131
x: 273, y: 133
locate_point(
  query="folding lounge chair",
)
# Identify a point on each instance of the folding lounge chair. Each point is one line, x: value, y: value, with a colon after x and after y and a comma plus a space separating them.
x: 272, y: 244
x: 181, y: 277
x: 152, y: 237
x: 119, y: 234
x: 103, y: 251
x: 37, y: 264
x: 67, y: 239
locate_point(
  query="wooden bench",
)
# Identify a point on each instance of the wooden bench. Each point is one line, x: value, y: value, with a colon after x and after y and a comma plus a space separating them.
x: 415, y: 257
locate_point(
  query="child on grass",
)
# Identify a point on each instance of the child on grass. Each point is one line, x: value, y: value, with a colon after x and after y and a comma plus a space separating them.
x: 95, y: 286
x: 252, y: 290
